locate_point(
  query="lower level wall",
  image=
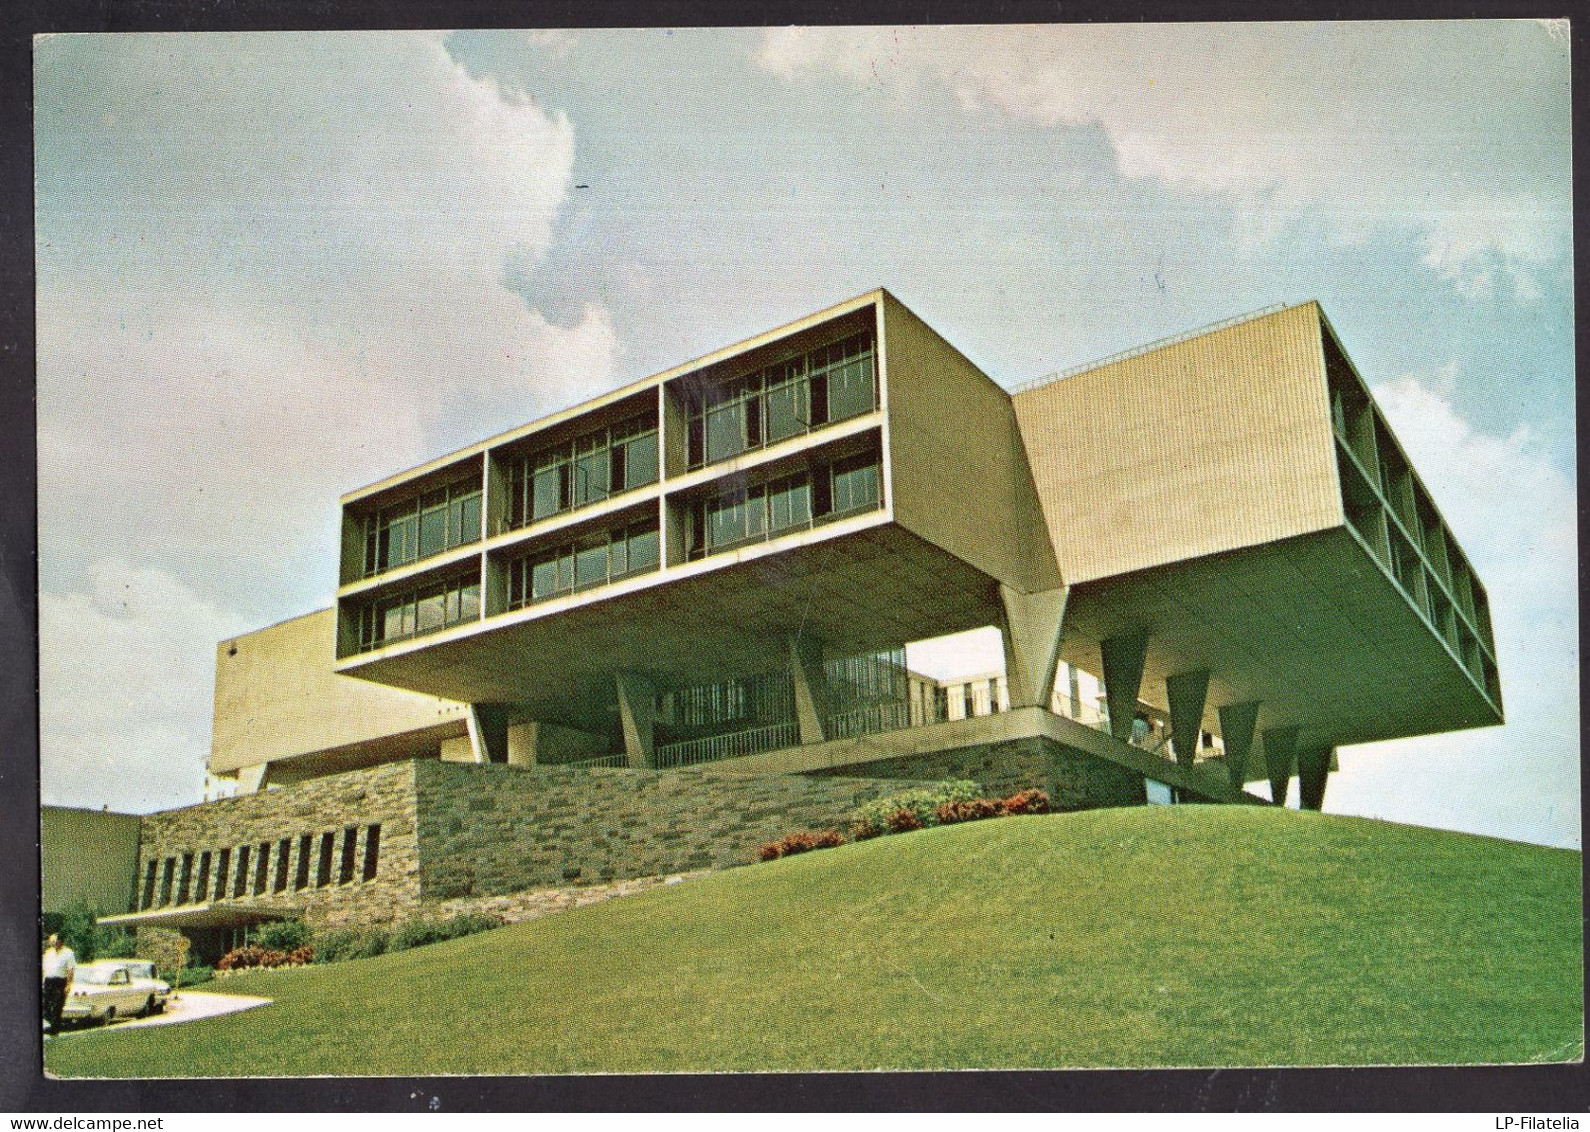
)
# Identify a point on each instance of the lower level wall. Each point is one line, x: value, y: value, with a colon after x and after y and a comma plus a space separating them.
x: 496, y: 829
x: 381, y: 795
x: 1073, y: 779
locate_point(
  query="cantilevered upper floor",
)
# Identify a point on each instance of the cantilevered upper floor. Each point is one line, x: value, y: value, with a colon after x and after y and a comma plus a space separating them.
x: 1221, y: 526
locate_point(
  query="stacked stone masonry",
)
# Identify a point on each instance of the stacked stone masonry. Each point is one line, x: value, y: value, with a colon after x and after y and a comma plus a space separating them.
x: 447, y: 832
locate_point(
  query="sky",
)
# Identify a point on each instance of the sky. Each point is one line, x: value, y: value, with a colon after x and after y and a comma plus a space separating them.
x: 273, y: 267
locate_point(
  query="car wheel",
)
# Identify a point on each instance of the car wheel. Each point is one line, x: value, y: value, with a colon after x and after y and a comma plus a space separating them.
x: 149, y: 1007
x: 109, y: 1016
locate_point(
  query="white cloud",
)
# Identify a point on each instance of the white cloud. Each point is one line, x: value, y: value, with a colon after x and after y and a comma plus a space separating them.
x: 118, y: 677
x: 270, y: 270
x: 1457, y: 133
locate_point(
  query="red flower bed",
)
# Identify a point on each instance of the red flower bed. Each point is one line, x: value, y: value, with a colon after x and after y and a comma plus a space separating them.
x: 975, y: 810
x: 793, y: 843
x: 904, y: 821
x: 1026, y: 802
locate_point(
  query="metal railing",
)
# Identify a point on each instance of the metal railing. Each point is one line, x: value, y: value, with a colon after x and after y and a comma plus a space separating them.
x: 733, y: 745
x: 586, y: 764
x: 869, y: 719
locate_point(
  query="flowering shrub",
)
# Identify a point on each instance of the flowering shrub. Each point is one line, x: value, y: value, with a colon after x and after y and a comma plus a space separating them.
x: 298, y: 956
x: 975, y: 809
x: 793, y: 843
x: 241, y: 958
x: 864, y: 831
x: 903, y: 821
x: 1026, y: 802
x: 923, y: 804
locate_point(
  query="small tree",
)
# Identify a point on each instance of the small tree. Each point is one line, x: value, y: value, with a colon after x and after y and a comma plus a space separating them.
x: 78, y: 930
x: 168, y: 949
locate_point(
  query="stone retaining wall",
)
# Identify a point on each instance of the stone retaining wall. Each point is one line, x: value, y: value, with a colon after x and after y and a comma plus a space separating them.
x: 500, y: 829
x: 382, y: 795
x: 1073, y: 779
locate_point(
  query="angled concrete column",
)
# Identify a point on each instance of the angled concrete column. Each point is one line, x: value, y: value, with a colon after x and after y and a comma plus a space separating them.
x: 1032, y: 644
x: 637, y: 709
x: 534, y: 743
x: 1236, y: 732
x: 1123, y: 677
x: 488, y: 732
x: 811, y: 686
x: 1280, y: 756
x: 1186, y: 693
x: 1313, y: 766
x: 251, y: 778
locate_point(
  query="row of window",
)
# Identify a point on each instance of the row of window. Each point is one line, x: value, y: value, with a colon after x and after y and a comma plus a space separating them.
x: 584, y: 470
x: 831, y: 383
x: 846, y: 487
x: 417, y: 612
x: 592, y: 561
x: 253, y: 870
x: 429, y: 524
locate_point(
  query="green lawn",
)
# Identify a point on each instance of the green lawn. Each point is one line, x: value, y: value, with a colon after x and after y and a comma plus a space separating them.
x: 1188, y: 935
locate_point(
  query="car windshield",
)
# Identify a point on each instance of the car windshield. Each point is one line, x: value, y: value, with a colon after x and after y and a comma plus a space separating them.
x: 95, y: 976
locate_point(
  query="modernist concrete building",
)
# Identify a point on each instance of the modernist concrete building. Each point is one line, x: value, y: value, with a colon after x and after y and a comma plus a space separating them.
x: 1209, y: 560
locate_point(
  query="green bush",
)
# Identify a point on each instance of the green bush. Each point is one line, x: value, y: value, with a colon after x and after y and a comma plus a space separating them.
x: 419, y: 932
x: 923, y: 804
x: 368, y: 944
x: 335, y: 945
x: 79, y: 931
x: 114, y: 944
x: 282, y: 935
x: 192, y: 976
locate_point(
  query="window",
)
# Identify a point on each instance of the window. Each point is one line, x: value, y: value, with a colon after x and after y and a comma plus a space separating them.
x: 413, y: 613
x: 418, y: 528
x: 262, y: 868
x: 240, y: 884
x: 149, y: 885
x: 284, y: 849
x: 223, y: 873
x: 584, y: 470
x: 328, y: 842
x: 790, y: 397
x: 185, y: 879
x: 306, y: 844
x: 855, y: 485
x: 165, y: 879
x: 350, y: 841
x: 372, y: 850
x: 201, y: 887
x: 593, y: 561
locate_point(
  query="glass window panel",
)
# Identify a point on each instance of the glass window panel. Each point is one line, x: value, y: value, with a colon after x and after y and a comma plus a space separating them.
x: 547, y: 491
x: 786, y: 411
x: 433, y: 531
x: 544, y: 579
x: 725, y: 521
x: 469, y: 602
x: 432, y: 612
x: 465, y: 520
x: 618, y: 557
x: 590, y: 564
x: 855, y: 488
x: 392, y: 621
x: 640, y: 461
x: 756, y: 513
x: 643, y: 548
x: 850, y: 390
x: 789, y: 504
x: 725, y: 432
x: 590, y: 478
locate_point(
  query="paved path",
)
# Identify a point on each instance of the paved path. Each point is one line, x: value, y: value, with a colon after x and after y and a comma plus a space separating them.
x: 189, y: 1007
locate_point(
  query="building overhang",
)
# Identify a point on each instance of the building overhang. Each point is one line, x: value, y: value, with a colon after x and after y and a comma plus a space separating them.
x: 875, y: 586
x: 215, y: 915
x: 1312, y: 627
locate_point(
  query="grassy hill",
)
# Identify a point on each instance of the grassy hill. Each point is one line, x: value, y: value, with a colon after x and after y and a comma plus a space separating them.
x: 1189, y: 935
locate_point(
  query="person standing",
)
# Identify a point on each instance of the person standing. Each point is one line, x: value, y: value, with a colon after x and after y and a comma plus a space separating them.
x: 59, y: 966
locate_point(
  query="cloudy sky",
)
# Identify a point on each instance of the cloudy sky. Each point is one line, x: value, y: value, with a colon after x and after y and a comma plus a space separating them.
x: 274, y: 267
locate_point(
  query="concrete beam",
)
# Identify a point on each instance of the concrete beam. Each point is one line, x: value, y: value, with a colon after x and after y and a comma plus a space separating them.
x: 1313, y: 767
x: 637, y: 710
x: 811, y: 686
x: 1236, y: 732
x: 488, y: 732
x: 1280, y: 756
x: 1123, y: 678
x: 1032, y: 627
x: 1186, y: 693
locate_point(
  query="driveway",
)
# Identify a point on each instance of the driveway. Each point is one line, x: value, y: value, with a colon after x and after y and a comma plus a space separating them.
x: 189, y: 1007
